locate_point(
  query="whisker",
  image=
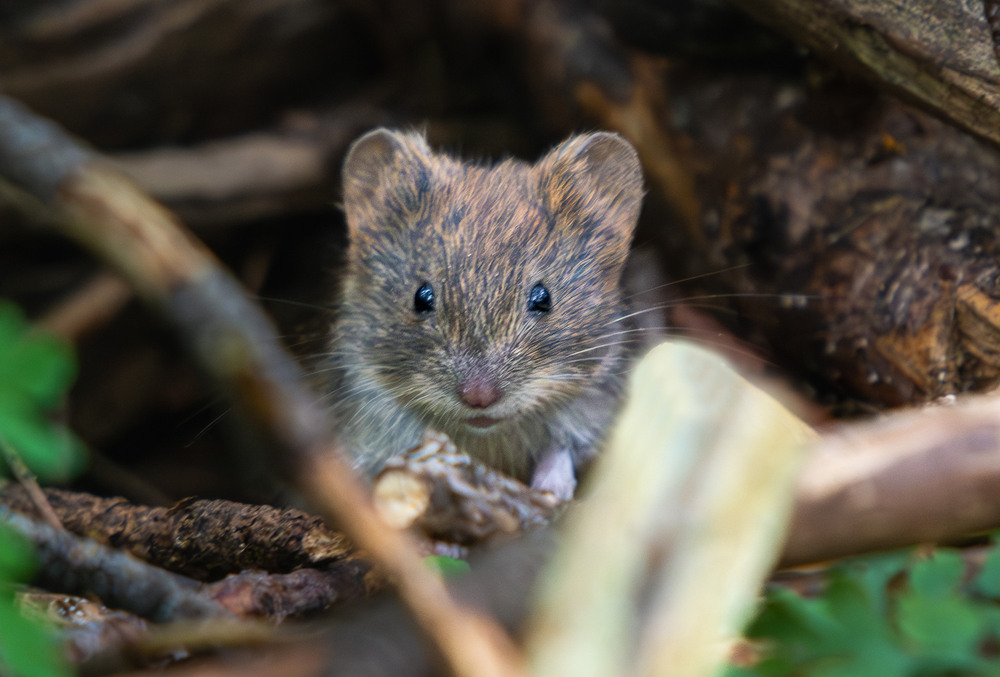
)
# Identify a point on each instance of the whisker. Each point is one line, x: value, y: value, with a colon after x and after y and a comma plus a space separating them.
x: 686, y: 301
x: 597, y: 347
x: 207, y: 427
x: 290, y: 302
x: 699, y: 276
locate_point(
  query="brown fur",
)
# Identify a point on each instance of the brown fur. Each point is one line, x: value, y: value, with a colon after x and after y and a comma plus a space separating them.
x: 483, y: 237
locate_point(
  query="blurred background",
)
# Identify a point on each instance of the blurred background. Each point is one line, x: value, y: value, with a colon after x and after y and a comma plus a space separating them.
x: 762, y: 165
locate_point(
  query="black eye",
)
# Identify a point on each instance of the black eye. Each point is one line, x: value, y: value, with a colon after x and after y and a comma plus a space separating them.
x: 423, y: 300
x: 539, y: 300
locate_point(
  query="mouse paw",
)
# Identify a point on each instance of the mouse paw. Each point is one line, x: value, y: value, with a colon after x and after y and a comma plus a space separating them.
x: 554, y: 473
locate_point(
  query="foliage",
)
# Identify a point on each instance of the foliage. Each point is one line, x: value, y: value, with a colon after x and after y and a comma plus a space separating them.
x: 25, y: 648
x: 894, y: 615
x: 35, y: 371
x: 446, y: 566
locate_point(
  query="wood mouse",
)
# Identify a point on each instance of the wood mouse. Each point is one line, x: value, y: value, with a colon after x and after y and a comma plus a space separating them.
x: 484, y: 302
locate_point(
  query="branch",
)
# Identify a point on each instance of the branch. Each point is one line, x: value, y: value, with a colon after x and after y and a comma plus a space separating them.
x: 237, y: 345
x: 924, y: 475
x: 451, y: 497
x: 688, y: 512
x: 77, y: 565
x: 201, y: 538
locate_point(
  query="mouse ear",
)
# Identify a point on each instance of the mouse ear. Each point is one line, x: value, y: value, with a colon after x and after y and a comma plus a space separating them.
x: 384, y: 162
x: 595, y: 173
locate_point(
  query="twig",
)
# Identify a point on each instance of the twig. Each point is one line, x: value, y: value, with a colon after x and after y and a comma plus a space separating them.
x: 88, y: 308
x: 698, y: 481
x: 77, y: 565
x: 237, y: 345
x: 451, y: 497
x: 29, y: 483
x: 923, y: 475
x: 566, y: 41
x: 256, y: 175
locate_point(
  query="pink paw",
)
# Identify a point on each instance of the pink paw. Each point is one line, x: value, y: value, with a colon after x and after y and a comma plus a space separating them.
x: 554, y: 473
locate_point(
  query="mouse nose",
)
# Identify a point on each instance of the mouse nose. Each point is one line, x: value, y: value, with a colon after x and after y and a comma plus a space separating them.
x: 479, y: 392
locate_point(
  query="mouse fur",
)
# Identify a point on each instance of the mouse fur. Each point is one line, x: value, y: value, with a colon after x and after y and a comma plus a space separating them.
x: 525, y: 379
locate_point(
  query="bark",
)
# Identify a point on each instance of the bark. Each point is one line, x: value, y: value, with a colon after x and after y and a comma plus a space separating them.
x: 939, y: 55
x: 201, y: 538
x: 449, y: 497
x: 75, y: 565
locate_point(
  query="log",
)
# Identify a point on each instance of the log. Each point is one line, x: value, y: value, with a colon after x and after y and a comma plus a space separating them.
x: 939, y: 55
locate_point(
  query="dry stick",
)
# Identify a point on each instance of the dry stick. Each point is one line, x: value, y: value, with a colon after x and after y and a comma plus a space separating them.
x: 29, y: 482
x: 688, y: 511
x: 234, y: 341
x: 200, y: 538
x: 255, y: 175
x: 90, y: 307
x: 450, y: 497
x: 923, y: 475
x: 78, y: 565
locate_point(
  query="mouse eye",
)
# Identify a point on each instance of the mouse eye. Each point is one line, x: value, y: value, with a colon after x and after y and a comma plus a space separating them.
x: 539, y: 300
x: 423, y: 300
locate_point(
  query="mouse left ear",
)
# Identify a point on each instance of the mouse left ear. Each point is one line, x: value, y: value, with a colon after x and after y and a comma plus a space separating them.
x: 385, y: 165
x: 596, y: 173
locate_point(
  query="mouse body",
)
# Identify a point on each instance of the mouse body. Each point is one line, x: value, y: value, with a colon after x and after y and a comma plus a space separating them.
x: 484, y: 301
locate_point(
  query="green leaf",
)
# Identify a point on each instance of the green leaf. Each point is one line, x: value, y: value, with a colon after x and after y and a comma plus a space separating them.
x: 35, y: 371
x: 856, y: 604
x: 988, y: 581
x: 937, y: 575
x: 938, y: 622
x: 865, y: 624
x: 27, y: 650
x: 447, y: 566
x: 874, y: 572
x: 38, y: 365
x: 17, y: 556
x: 50, y: 450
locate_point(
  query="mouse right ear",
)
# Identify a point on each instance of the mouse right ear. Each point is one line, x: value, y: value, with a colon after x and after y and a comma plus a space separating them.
x: 385, y: 165
x: 597, y: 172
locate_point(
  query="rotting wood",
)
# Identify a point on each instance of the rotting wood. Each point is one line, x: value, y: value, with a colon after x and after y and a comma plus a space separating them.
x: 69, y: 563
x: 200, y: 538
x: 939, y: 55
x: 854, y: 238
x: 450, y: 497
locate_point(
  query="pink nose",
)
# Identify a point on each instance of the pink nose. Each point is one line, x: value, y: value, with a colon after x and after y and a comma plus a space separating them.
x: 479, y: 393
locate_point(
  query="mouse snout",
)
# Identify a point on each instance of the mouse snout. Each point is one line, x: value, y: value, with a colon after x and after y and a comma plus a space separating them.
x: 479, y: 392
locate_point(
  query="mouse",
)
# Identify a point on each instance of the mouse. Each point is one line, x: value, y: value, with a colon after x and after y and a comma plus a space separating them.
x: 484, y: 301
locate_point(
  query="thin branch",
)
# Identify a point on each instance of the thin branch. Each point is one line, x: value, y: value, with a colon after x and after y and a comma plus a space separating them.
x: 29, y: 483
x: 235, y: 342
x: 88, y: 308
x: 78, y: 565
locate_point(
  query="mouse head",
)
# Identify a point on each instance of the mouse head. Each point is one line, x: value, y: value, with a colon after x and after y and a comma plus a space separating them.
x: 485, y: 293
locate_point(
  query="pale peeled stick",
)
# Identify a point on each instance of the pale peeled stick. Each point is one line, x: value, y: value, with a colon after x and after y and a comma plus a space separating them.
x: 698, y: 477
